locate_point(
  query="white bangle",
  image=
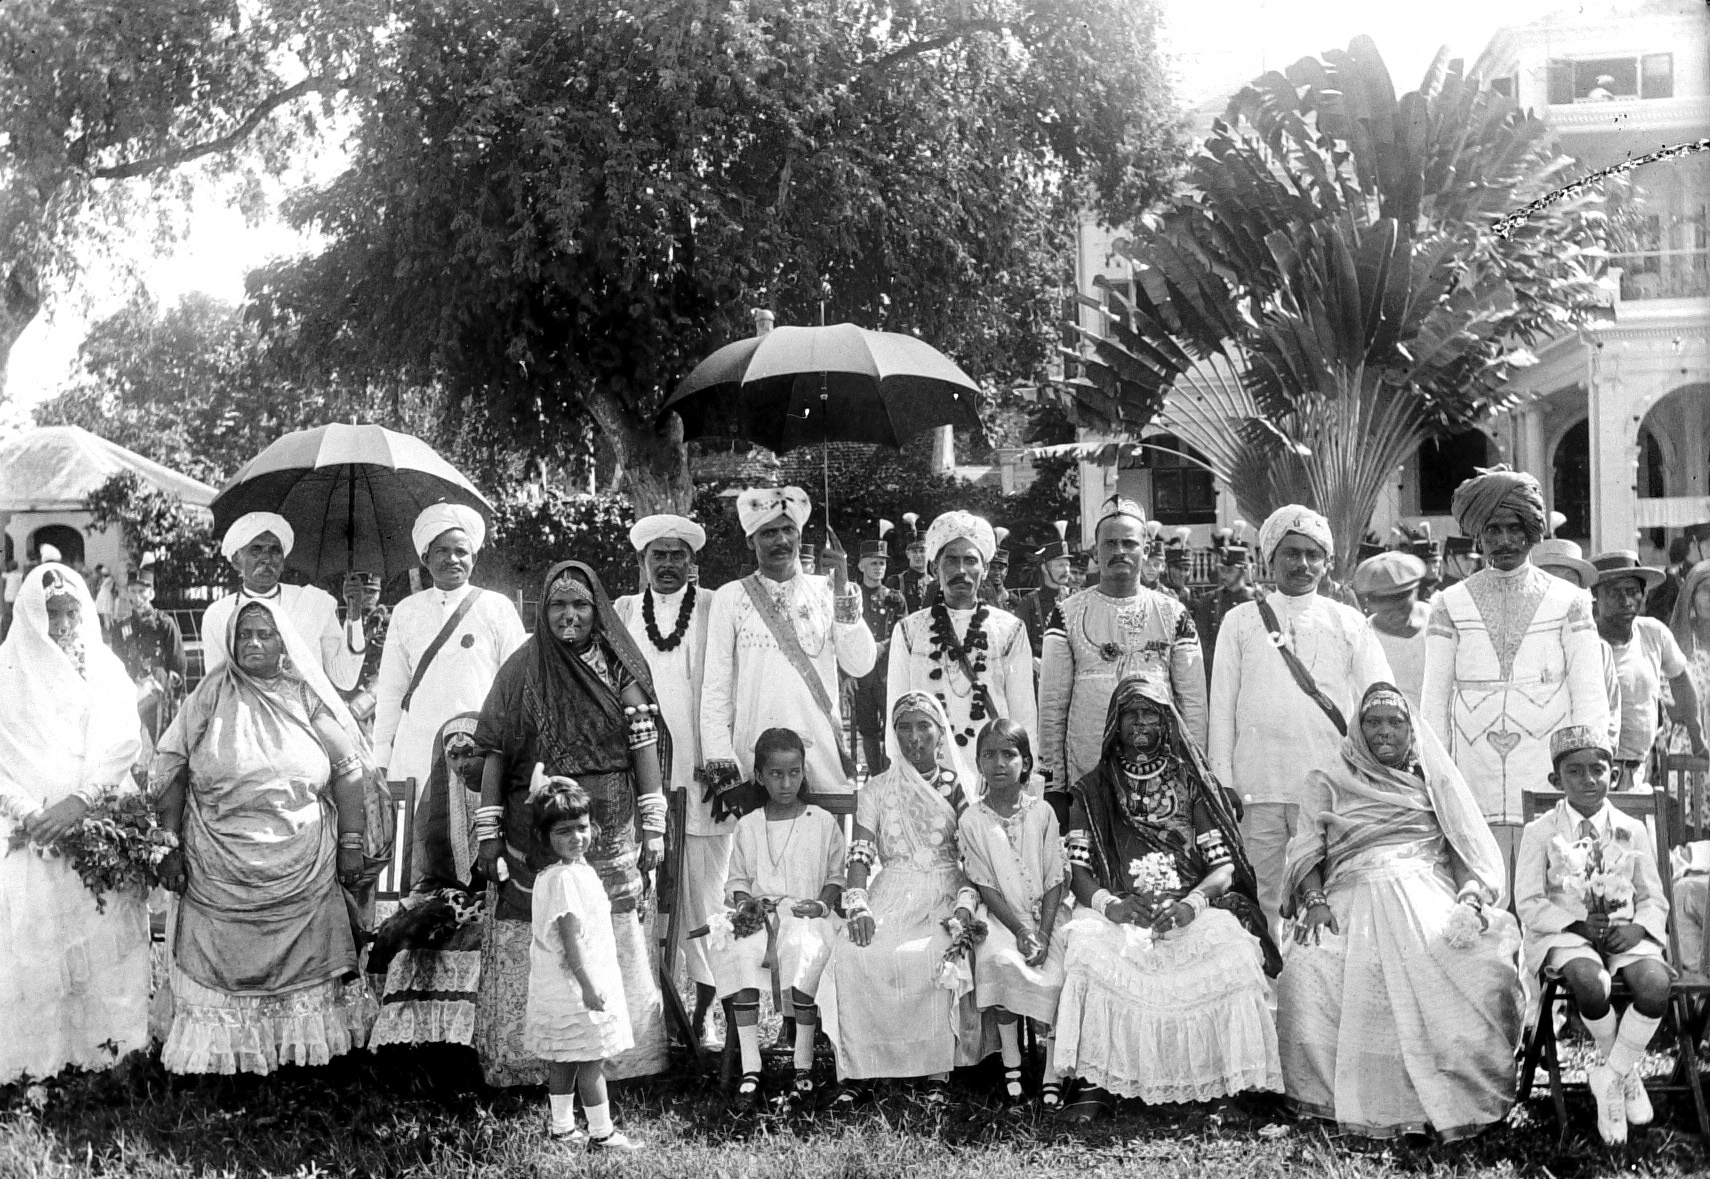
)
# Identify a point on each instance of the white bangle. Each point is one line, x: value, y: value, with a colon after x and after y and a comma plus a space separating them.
x: 1197, y: 901
x: 1101, y: 900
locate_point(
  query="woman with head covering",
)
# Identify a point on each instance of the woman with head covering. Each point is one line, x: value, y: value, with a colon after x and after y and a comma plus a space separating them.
x: 261, y: 774
x: 894, y: 1015
x: 1165, y: 996
x: 428, y: 953
x: 1690, y: 622
x: 1401, y: 1004
x: 443, y: 646
x: 73, y: 978
x: 576, y: 701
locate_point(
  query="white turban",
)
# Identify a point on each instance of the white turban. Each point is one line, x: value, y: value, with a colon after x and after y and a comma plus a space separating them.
x: 759, y: 506
x: 961, y: 525
x: 440, y: 518
x: 667, y: 527
x: 251, y: 525
x: 1294, y: 518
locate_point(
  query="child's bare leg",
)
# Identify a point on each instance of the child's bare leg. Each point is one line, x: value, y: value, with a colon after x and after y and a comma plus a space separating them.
x: 1588, y: 982
x: 807, y: 1023
x: 561, y: 1096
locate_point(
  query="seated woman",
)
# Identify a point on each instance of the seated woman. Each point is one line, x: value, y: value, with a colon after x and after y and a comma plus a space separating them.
x: 1405, y: 1017
x: 426, y: 957
x: 1164, y: 997
x: 894, y: 1019
x: 261, y: 776
x: 73, y: 977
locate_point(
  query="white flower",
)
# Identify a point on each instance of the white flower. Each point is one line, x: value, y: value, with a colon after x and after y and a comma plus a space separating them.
x: 1465, y: 926
x: 1570, y: 857
x: 1154, y: 873
x: 720, y: 932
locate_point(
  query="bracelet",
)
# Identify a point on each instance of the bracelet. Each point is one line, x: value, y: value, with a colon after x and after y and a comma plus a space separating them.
x: 352, y: 840
x: 862, y: 851
x: 855, y: 901
x: 651, y: 808
x: 1314, y: 896
x: 824, y: 909
x: 496, y: 813
x: 847, y: 609
x: 345, y: 765
x: 1101, y: 900
x: 1197, y: 901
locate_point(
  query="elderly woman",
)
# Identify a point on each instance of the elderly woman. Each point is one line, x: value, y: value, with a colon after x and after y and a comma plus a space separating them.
x: 1400, y: 1006
x: 576, y: 700
x: 73, y: 977
x: 262, y: 777
x: 893, y: 1017
x: 1165, y: 996
x: 428, y: 953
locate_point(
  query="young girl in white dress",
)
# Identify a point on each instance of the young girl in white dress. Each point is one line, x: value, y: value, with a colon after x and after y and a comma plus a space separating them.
x: 576, y: 1017
x: 789, y: 857
x: 1012, y: 852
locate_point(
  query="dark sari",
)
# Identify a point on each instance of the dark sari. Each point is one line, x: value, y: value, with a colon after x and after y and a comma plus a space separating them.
x: 1118, y: 833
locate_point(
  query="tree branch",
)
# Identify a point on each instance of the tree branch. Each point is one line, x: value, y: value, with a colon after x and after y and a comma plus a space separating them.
x: 183, y: 155
x: 944, y: 40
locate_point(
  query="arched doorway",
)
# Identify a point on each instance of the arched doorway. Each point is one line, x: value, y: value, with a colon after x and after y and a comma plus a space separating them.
x: 1445, y: 463
x: 66, y: 539
x: 1570, y: 473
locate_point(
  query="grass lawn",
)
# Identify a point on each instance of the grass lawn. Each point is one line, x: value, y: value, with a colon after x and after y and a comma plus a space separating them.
x: 424, y: 1113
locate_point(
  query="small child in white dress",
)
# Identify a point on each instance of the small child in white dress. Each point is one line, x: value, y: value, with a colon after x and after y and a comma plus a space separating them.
x: 1012, y: 852
x: 575, y: 1016
x: 786, y: 871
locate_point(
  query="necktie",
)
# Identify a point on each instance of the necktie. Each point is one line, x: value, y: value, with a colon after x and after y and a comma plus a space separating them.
x: 1587, y: 831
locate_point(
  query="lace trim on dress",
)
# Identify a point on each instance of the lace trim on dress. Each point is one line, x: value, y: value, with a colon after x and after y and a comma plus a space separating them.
x: 213, y: 1032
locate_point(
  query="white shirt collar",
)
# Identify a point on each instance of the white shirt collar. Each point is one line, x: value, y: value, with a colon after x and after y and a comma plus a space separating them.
x: 450, y: 599
x: 668, y: 599
x: 1600, y: 822
x: 278, y: 591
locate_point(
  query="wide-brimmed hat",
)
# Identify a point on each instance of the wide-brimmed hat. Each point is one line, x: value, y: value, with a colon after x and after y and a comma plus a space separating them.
x: 1552, y: 553
x: 1625, y: 563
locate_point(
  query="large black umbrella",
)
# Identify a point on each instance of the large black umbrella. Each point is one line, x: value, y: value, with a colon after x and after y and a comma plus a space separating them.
x: 351, y: 494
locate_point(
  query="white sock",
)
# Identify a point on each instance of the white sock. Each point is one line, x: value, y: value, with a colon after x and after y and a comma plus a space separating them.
x: 563, y: 1112
x: 1632, y: 1040
x: 807, y: 1023
x: 1051, y: 1057
x: 748, y: 1036
x: 599, y: 1120
x: 1010, y: 1042
x: 1602, y: 1031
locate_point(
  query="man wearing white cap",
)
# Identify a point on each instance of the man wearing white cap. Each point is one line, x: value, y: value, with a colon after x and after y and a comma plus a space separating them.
x: 257, y: 544
x: 974, y: 657
x: 774, y: 646
x: 1290, y: 669
x: 444, y: 645
x: 668, y: 621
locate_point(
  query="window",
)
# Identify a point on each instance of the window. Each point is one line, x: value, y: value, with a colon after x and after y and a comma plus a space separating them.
x: 1503, y: 86
x: 1657, y: 76
x: 1183, y: 491
x: 1446, y: 463
x: 1604, y: 79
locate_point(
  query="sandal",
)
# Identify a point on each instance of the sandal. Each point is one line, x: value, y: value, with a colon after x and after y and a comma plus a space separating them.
x: 1012, y: 1090
x: 1051, y: 1096
x: 748, y: 1089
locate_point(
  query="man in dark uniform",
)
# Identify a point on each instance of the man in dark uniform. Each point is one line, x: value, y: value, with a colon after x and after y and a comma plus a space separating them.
x: 1035, y: 605
x: 911, y: 583
x: 1428, y: 549
x: 883, y: 607
x: 993, y: 591
x: 1235, y: 585
x: 1465, y: 563
x: 151, y: 647
x: 1178, y: 560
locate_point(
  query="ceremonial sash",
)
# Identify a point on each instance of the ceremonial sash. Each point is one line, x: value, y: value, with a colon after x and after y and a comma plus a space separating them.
x: 785, y: 636
x: 1297, y: 669
x: 439, y: 640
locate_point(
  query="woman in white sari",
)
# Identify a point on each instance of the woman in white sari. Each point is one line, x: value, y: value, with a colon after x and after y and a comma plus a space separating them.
x: 1399, y: 1007
x: 73, y: 979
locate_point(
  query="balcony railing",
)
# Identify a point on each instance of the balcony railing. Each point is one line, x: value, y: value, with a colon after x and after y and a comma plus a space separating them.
x: 1664, y: 274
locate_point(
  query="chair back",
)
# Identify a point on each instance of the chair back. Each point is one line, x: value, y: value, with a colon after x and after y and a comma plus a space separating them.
x: 395, y: 880
x: 1684, y: 779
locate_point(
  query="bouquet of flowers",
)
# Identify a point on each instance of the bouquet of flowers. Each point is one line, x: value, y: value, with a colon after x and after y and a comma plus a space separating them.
x: 118, y: 846
x: 744, y: 920
x: 954, y: 972
x: 1598, y: 877
x: 1154, y: 877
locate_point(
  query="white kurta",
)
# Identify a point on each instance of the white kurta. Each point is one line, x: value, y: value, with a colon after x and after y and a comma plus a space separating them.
x: 1008, y: 677
x: 313, y: 613
x: 457, y: 680
x: 750, y: 686
x: 1406, y: 661
x: 1510, y: 658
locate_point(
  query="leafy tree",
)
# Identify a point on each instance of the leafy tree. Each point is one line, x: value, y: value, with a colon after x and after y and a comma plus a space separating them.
x: 1328, y: 289
x: 181, y: 538
x: 558, y: 209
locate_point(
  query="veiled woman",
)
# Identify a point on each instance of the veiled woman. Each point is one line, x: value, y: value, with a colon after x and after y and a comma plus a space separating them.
x: 73, y: 979
x: 1165, y: 997
x: 893, y: 1018
x: 426, y: 957
x: 261, y: 774
x: 1388, y: 1022
x: 576, y: 700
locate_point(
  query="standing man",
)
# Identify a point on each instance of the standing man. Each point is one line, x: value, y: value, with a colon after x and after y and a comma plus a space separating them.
x: 668, y: 621
x: 1511, y: 654
x: 443, y: 647
x: 1177, y: 558
x: 1291, y: 667
x: 1660, y: 603
x: 911, y: 582
x: 1428, y: 549
x: 1098, y: 636
x: 775, y: 643
x: 1390, y: 584
x: 1152, y: 571
x: 882, y: 607
x: 1034, y: 607
x: 257, y: 544
x: 1234, y: 586
x: 1646, y: 657
x: 150, y: 646
x: 971, y: 655
x: 993, y: 590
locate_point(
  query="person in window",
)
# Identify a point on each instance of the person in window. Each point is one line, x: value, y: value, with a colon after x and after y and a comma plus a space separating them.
x: 1601, y: 92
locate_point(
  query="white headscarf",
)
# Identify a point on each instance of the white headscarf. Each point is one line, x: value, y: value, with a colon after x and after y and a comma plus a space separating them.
x: 437, y: 519
x: 61, y: 732
x: 1294, y: 518
x: 959, y: 525
x: 251, y: 525
x: 759, y: 506
x: 665, y: 526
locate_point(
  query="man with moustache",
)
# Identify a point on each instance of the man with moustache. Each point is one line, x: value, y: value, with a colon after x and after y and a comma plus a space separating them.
x: 257, y: 544
x: 911, y: 583
x: 1097, y: 637
x: 971, y: 655
x: 1511, y: 654
x: 775, y: 643
x: 668, y: 621
x: 1234, y: 586
x: 1034, y: 607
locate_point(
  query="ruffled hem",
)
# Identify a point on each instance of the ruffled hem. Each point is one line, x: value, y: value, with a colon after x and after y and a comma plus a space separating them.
x: 425, y: 1021
x: 1399, y: 1130
x: 213, y: 1032
x: 583, y: 1039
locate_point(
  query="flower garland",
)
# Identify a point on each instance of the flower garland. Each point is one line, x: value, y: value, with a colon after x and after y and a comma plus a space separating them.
x: 971, y: 650
x: 685, y: 613
x: 954, y: 973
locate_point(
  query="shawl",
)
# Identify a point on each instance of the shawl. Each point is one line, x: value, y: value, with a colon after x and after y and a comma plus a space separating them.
x: 1682, y: 621
x: 1479, y: 498
x: 443, y: 824
x: 901, y: 767
x: 1362, y: 775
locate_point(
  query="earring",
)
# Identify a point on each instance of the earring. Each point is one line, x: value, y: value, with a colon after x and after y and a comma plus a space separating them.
x: 285, y: 664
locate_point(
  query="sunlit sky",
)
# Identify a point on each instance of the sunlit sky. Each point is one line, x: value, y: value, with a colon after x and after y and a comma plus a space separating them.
x: 1214, y: 45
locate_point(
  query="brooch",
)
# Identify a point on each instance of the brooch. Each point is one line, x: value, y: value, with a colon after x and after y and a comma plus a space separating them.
x: 1111, y: 652
x: 468, y: 641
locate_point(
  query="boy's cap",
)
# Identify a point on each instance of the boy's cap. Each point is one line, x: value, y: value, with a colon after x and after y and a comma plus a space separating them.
x: 1573, y: 738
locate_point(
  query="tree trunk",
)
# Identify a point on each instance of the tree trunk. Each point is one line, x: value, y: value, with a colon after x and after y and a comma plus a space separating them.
x: 20, y: 301
x: 655, y: 464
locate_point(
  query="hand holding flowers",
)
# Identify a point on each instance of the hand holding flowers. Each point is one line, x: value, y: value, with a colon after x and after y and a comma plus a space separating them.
x: 116, y: 845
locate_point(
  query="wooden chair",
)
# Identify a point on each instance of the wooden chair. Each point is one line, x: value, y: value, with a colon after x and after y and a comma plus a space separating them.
x: 397, y: 874
x: 1686, y: 997
x: 668, y: 888
x: 1683, y: 778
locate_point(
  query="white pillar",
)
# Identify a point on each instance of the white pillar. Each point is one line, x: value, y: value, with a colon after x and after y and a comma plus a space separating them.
x: 1614, y: 456
x: 943, y: 450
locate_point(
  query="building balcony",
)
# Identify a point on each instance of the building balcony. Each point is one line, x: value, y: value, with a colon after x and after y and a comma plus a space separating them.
x: 1663, y: 274
x: 1675, y: 511
x: 1629, y: 114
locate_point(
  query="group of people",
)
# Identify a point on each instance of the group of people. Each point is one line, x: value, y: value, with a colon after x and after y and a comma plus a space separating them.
x: 1288, y: 875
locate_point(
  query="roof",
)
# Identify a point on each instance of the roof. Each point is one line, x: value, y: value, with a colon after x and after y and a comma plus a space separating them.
x: 55, y: 468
